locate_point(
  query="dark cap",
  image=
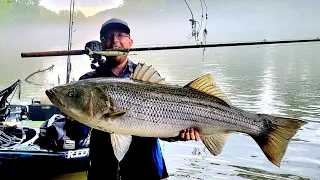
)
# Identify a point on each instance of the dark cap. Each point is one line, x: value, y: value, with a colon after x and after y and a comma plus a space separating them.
x: 114, y: 23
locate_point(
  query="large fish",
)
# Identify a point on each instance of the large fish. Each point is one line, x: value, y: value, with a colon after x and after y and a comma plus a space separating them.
x: 145, y: 105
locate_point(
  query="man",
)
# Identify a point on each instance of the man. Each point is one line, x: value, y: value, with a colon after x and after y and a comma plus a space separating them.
x: 144, y: 158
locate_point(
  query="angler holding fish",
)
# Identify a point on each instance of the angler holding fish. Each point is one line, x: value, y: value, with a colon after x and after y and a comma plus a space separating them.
x: 144, y: 157
x: 144, y: 105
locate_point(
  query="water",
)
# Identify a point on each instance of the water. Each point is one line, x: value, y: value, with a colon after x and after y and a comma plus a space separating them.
x: 281, y: 80
x: 274, y: 79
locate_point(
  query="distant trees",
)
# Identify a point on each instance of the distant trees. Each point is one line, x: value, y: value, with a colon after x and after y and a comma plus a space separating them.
x: 66, y: 13
x: 14, y: 11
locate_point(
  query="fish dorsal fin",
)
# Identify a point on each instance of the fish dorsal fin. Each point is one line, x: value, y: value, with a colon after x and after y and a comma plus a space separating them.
x: 147, y: 73
x: 120, y: 144
x: 207, y: 85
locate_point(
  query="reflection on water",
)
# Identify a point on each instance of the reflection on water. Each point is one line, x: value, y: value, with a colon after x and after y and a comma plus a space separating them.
x: 268, y: 95
x: 240, y: 159
x: 255, y: 174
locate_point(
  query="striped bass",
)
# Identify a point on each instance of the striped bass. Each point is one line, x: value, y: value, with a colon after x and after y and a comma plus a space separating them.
x: 145, y: 105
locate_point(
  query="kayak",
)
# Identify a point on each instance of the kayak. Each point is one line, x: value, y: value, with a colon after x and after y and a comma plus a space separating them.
x: 21, y: 154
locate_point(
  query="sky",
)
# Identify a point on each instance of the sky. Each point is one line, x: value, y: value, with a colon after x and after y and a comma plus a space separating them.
x: 88, y: 7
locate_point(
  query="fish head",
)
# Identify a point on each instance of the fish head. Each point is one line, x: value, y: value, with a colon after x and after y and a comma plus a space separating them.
x: 83, y: 103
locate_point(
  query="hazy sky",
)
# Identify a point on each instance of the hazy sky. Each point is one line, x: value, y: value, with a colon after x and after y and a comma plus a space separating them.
x: 89, y: 8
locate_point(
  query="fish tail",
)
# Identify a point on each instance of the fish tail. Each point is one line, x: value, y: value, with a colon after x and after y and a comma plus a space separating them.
x: 275, y: 139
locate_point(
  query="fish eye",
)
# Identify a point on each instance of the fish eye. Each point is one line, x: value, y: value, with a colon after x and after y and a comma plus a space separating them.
x: 70, y: 94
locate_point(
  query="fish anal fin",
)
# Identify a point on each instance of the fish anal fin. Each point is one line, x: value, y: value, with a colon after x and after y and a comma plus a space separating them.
x: 120, y: 144
x: 207, y: 85
x: 214, y: 143
x: 147, y: 73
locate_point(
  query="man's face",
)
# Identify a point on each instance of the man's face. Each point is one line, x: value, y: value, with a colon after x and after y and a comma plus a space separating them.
x: 117, y: 38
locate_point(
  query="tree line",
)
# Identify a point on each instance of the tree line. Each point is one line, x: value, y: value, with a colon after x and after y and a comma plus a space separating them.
x: 15, y: 11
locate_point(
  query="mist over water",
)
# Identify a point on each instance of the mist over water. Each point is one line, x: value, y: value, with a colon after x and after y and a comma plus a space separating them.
x: 273, y: 79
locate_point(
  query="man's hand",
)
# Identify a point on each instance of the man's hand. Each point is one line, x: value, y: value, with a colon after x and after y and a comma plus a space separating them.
x: 188, y: 134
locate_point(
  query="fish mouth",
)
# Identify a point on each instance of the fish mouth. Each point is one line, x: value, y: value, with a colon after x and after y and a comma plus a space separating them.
x: 53, y: 98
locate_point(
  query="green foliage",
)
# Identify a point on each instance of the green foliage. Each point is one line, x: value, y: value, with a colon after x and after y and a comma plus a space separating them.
x: 15, y: 11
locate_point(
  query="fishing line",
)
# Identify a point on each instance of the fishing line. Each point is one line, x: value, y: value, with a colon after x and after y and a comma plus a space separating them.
x: 205, y: 31
x: 201, y: 15
x: 69, y: 68
x: 194, y: 32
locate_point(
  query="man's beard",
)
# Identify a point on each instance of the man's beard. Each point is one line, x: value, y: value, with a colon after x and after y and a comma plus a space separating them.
x: 114, y: 61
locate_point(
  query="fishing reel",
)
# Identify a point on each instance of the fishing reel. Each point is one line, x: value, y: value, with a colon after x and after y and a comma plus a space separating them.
x: 95, y: 58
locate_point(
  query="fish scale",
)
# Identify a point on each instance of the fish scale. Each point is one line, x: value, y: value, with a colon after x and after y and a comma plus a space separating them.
x: 191, y: 111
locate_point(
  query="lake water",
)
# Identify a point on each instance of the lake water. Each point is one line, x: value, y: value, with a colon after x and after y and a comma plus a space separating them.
x: 282, y: 80
x: 274, y: 79
x: 277, y: 80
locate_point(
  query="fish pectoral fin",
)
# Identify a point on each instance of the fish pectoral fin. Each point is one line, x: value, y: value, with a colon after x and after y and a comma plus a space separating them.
x: 147, y: 73
x: 120, y: 144
x: 214, y: 143
x: 117, y: 113
x: 207, y: 85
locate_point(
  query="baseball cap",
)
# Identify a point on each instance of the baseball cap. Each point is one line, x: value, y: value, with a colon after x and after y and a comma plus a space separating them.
x: 114, y: 23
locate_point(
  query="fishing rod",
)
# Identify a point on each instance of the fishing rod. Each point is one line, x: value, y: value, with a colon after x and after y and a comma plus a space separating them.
x: 69, y: 68
x: 125, y: 51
